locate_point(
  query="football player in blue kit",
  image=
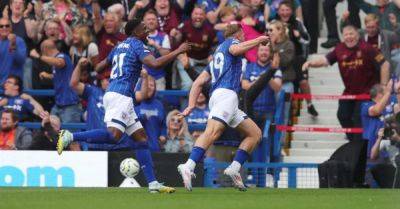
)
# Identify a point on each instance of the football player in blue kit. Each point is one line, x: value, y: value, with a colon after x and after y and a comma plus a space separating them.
x: 225, y: 73
x: 126, y: 60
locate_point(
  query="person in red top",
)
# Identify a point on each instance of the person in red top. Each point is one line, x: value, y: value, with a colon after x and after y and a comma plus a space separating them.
x: 169, y: 15
x: 361, y: 66
x: 12, y: 136
x: 108, y: 35
x: 202, y: 37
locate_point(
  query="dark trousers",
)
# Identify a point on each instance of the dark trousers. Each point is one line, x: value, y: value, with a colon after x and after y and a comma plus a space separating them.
x: 349, y: 115
x: 330, y: 16
x: 384, y: 175
x: 310, y: 11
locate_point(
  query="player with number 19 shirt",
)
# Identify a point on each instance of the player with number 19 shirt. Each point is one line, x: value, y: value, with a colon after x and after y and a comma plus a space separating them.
x: 225, y: 71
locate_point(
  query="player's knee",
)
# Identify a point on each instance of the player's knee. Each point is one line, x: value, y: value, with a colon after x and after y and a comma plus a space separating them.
x: 256, y: 135
x: 212, y: 133
x: 116, y: 133
x: 140, y: 136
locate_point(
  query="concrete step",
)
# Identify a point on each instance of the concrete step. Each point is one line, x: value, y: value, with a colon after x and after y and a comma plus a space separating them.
x: 327, y: 90
x: 317, y: 136
x: 305, y: 159
x: 320, y: 120
x: 312, y: 144
x: 298, y: 152
x: 322, y: 112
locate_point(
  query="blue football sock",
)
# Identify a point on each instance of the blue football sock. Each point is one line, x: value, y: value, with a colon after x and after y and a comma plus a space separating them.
x: 96, y: 136
x: 197, y: 154
x: 241, y: 156
x: 145, y: 160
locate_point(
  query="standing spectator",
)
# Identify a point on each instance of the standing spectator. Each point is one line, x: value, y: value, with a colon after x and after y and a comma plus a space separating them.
x: 379, y: 38
x: 199, y: 115
x: 252, y: 28
x: 213, y: 8
x: 202, y: 37
x: 169, y: 16
x: 159, y: 45
x: 178, y: 136
x: 108, y: 35
x: 44, y: 139
x: 151, y: 114
x: 226, y: 16
x: 282, y: 45
x: 25, y: 28
x: 301, y: 39
x: 12, y: 136
x: 66, y: 100
x: 384, y: 9
x: 265, y: 104
x: 63, y: 9
x: 22, y: 104
x: 12, y: 52
x: 329, y: 7
x: 51, y: 29
x: 360, y: 67
x: 271, y: 9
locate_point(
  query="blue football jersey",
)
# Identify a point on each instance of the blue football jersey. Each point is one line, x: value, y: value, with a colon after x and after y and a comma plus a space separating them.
x: 65, y: 95
x: 95, y: 109
x: 225, y: 69
x: 22, y: 107
x: 126, y: 59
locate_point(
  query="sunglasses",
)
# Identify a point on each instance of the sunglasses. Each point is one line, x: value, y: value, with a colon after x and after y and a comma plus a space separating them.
x: 4, y: 26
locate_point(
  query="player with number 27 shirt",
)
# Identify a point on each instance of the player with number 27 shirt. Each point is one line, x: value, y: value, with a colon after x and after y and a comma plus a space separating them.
x: 225, y: 72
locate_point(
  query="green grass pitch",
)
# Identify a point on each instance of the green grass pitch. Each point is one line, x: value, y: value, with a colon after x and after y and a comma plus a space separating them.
x: 199, y: 198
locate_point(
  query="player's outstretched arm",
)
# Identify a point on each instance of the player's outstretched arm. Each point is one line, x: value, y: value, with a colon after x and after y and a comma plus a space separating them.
x: 75, y: 83
x: 243, y: 47
x: 164, y: 60
x: 195, y: 91
x: 101, y: 65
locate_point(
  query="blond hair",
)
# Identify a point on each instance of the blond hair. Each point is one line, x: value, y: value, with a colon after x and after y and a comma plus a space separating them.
x: 85, y: 35
x: 231, y: 29
x: 281, y: 26
x: 184, y: 130
x: 371, y: 17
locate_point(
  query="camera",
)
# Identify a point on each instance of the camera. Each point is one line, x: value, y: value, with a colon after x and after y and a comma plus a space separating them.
x: 391, y: 126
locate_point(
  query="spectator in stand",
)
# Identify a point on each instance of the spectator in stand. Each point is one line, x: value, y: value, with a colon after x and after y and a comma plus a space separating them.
x: 44, y: 138
x: 169, y: 14
x: 199, y: 115
x: 63, y: 9
x: 213, y: 8
x: 264, y: 106
x: 25, y: 28
x: 271, y: 9
x: 12, y: 52
x: 83, y: 45
x: 108, y: 35
x: 331, y: 23
x: 178, y: 136
x: 151, y: 114
x: 119, y: 10
x: 202, y: 37
x: 384, y: 9
x: 251, y: 27
x: 12, y: 136
x: 258, y: 7
x: 385, y: 173
x: 66, y: 100
x: 282, y: 45
x: 301, y: 39
x: 374, y: 112
x: 22, y: 104
x: 159, y: 45
x: 360, y: 66
x: 379, y: 38
x: 226, y: 16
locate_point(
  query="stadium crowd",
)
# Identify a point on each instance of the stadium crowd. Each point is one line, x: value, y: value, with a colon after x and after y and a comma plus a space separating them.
x: 60, y: 45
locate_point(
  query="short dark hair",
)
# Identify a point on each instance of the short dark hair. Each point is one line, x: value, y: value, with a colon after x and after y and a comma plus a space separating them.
x: 375, y: 90
x: 131, y: 26
x: 14, y: 115
x: 287, y: 3
x: 150, y: 11
x: 350, y: 26
x: 18, y: 82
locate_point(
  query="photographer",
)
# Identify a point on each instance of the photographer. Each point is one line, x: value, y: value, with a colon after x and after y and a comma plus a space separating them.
x: 389, y: 147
